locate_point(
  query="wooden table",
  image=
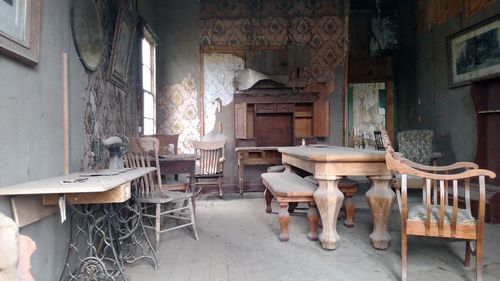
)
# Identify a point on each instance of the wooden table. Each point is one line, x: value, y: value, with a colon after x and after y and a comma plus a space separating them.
x: 268, y: 155
x: 174, y: 164
x: 329, y: 165
x: 103, y: 227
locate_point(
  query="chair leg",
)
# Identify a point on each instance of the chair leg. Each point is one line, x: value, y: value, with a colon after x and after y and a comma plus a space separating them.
x: 349, y: 209
x: 479, y: 259
x: 468, y: 252
x: 284, y: 218
x: 220, y: 187
x: 157, y: 227
x: 269, y: 197
x: 193, y: 219
x: 313, y: 217
x: 404, y: 256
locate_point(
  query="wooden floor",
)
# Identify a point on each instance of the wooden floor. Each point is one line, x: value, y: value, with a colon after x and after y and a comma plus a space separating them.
x: 238, y: 241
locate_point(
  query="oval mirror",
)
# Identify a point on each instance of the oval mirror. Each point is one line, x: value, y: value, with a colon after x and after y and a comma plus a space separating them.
x: 87, y: 32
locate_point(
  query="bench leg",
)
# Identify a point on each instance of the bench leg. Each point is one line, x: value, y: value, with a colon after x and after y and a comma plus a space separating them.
x: 349, y: 209
x: 284, y: 217
x: 313, y: 217
x: 269, y: 197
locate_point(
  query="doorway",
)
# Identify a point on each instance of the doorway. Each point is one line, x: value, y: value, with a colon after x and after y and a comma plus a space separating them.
x: 369, y: 107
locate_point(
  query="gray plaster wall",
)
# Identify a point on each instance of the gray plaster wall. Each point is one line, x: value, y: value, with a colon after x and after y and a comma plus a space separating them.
x: 31, y: 128
x: 177, y: 26
x: 178, y: 54
x: 424, y: 99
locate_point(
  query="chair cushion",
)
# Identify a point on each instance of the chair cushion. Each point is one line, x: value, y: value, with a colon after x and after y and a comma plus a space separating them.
x: 419, y: 213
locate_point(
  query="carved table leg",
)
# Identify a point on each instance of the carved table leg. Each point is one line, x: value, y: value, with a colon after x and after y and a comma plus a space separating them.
x: 313, y: 217
x: 329, y: 199
x: 284, y: 217
x: 380, y: 198
x: 269, y: 197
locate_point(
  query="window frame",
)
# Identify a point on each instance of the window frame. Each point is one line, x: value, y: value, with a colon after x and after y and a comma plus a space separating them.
x: 149, y: 37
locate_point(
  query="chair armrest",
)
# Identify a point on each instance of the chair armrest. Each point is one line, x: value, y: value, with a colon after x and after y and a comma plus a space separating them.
x: 435, y: 168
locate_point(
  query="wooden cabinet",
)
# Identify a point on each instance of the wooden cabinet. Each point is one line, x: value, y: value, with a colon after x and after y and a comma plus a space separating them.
x: 279, y: 119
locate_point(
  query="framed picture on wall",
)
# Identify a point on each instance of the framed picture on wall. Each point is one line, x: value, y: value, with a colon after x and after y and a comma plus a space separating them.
x: 20, y: 29
x: 123, y: 41
x: 474, y: 53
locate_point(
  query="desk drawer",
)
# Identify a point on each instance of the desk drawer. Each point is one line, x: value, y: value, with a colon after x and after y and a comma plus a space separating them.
x: 116, y: 195
x: 266, y: 107
x: 284, y: 107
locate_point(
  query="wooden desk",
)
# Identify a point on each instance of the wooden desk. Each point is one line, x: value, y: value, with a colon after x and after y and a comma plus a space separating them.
x: 329, y: 165
x: 255, y: 156
x: 178, y: 164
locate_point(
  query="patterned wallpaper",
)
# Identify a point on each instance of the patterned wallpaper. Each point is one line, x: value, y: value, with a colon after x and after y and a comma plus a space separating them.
x: 108, y: 110
x: 316, y: 23
x: 178, y: 107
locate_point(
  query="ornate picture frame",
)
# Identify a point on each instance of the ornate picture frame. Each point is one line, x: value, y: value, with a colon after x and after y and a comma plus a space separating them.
x: 474, y: 53
x: 20, y: 29
x: 123, y: 42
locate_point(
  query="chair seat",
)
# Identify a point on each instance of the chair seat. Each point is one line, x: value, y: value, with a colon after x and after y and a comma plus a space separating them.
x: 209, y: 176
x: 165, y: 197
x: 419, y: 213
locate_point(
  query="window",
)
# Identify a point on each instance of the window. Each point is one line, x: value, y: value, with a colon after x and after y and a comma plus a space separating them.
x: 148, y: 84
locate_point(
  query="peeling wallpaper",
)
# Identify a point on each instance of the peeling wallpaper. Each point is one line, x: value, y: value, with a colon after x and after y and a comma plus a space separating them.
x: 219, y: 71
x: 367, y: 115
x: 108, y: 109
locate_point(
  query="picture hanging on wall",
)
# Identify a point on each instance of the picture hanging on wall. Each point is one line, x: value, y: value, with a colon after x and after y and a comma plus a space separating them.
x: 474, y: 53
x: 122, y: 48
x: 20, y: 29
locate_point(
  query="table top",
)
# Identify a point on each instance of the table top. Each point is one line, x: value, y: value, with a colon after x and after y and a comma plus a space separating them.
x: 259, y: 148
x: 333, y: 153
x: 79, y: 182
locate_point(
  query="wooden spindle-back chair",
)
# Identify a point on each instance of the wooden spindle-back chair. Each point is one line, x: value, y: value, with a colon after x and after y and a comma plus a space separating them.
x: 143, y: 152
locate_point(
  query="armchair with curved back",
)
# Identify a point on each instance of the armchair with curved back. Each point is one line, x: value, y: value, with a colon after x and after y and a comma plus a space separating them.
x: 437, y: 218
x: 153, y: 194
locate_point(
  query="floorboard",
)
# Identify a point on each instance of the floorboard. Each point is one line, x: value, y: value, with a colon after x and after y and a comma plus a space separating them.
x: 238, y: 241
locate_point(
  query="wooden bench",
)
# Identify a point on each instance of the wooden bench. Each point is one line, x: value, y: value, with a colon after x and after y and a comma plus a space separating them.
x: 290, y: 188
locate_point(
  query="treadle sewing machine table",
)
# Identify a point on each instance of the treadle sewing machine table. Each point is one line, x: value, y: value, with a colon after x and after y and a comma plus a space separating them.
x: 106, y: 224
